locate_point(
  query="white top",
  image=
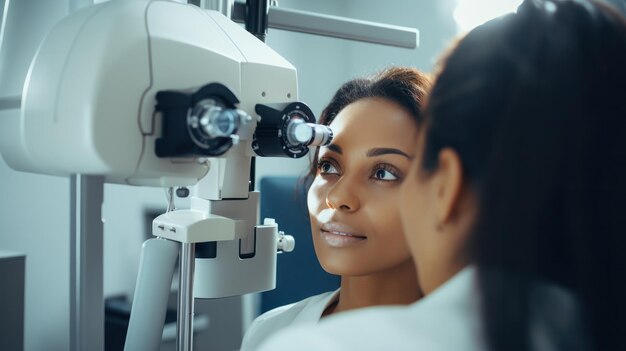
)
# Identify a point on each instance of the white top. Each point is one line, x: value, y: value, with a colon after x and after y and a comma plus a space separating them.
x: 427, y: 324
x: 447, y: 319
x: 302, y: 313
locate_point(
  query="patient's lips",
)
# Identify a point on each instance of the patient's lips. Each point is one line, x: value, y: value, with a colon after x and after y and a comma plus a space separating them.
x: 340, y: 235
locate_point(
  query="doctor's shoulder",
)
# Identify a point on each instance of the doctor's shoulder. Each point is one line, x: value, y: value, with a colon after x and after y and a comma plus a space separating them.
x: 305, y: 312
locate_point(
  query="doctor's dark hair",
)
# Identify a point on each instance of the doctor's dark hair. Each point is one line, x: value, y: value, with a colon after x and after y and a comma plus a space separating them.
x: 405, y: 86
x: 534, y: 103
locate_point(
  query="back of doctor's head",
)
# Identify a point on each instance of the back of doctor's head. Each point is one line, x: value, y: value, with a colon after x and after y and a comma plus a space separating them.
x: 535, y: 105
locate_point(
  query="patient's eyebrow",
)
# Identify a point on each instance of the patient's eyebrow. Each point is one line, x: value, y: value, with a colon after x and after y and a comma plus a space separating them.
x: 335, y: 148
x: 385, y: 151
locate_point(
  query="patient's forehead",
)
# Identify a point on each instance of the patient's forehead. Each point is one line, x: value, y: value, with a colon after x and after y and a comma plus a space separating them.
x: 374, y: 119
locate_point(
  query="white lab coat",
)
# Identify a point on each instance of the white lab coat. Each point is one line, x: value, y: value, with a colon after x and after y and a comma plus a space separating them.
x: 302, y: 313
x: 448, y: 319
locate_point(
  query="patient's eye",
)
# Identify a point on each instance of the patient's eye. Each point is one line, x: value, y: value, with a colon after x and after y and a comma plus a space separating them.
x: 385, y: 173
x: 326, y: 167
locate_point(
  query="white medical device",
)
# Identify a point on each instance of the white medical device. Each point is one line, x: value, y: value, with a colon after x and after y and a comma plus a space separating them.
x: 88, y: 103
x: 157, y: 93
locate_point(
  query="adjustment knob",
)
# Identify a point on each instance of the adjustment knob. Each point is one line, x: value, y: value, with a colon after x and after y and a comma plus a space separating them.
x: 286, y: 243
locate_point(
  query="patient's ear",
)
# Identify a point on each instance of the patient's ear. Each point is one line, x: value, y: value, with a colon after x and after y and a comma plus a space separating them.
x: 449, y: 183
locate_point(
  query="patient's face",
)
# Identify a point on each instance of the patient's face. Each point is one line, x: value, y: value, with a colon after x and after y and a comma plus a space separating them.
x: 353, y: 201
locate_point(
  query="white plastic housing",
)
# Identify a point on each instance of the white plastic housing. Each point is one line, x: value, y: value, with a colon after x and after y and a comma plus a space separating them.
x: 230, y: 274
x: 189, y: 226
x: 89, y: 97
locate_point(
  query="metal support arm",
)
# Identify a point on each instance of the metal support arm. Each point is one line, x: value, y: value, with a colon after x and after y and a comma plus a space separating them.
x: 335, y: 26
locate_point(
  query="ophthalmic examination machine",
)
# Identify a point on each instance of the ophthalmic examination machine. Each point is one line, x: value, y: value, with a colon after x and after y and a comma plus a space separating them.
x: 158, y: 93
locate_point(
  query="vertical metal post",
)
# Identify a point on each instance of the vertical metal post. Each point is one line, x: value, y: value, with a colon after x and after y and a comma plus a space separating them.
x: 184, y: 324
x: 86, y: 263
x: 256, y: 18
x: 256, y: 24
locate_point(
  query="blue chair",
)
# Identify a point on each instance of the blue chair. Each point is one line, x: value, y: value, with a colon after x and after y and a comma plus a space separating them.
x: 299, y: 274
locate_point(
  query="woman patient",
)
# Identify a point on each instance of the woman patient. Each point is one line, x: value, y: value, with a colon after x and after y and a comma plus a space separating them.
x: 355, y: 184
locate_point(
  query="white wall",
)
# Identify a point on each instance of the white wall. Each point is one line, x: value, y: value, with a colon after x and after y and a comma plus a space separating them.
x: 34, y: 217
x: 432, y: 18
x: 34, y: 209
